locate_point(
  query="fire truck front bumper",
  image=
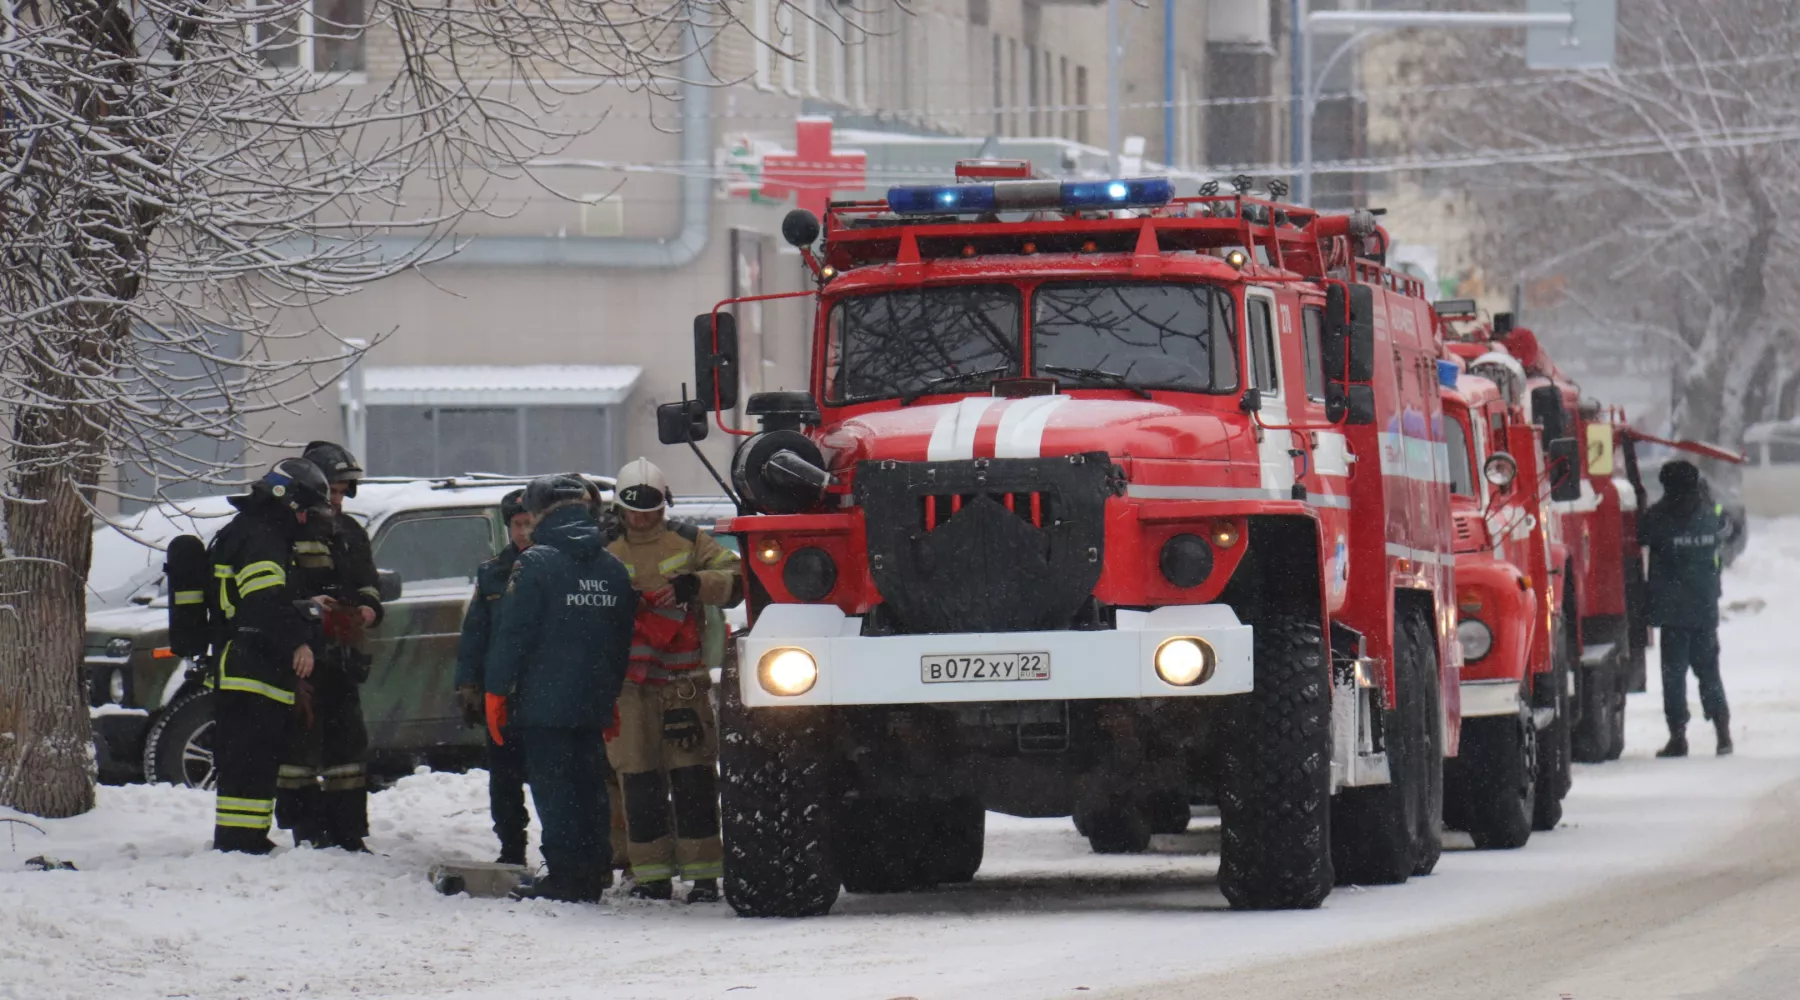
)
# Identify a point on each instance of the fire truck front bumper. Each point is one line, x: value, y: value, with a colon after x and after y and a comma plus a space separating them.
x: 811, y: 654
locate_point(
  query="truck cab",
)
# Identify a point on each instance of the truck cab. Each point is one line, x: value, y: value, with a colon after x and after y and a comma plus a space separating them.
x: 1098, y: 500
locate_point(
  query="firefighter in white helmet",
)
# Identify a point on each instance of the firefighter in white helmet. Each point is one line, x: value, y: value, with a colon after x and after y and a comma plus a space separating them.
x: 667, y: 748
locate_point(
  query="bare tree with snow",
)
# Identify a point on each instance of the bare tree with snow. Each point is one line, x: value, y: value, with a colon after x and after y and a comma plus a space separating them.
x: 175, y: 170
x: 1659, y: 190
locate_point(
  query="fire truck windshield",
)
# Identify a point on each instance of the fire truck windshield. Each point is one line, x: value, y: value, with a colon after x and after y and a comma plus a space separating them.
x: 1462, y: 463
x: 902, y: 343
x: 1149, y: 335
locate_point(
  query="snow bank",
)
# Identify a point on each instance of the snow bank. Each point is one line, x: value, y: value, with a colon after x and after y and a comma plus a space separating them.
x: 153, y: 913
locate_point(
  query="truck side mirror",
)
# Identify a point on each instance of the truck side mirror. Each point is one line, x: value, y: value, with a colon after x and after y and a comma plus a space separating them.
x: 1547, y: 412
x: 387, y: 585
x: 1250, y: 401
x: 1565, y: 469
x: 679, y: 423
x: 715, y: 367
x: 1349, y: 329
x: 1350, y: 404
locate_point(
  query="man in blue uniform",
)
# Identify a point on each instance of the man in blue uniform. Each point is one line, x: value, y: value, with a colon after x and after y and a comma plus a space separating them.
x: 263, y: 646
x: 505, y: 761
x: 559, y: 656
x: 1682, y: 532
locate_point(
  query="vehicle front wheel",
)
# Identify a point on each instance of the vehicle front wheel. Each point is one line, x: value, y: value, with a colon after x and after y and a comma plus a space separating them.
x: 773, y: 809
x: 1498, y: 766
x: 178, y: 750
x: 1275, y: 775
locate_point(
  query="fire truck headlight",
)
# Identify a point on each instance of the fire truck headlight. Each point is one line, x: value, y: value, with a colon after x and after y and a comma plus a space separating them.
x: 810, y: 574
x: 787, y: 671
x: 1186, y: 560
x: 1185, y: 661
x: 1476, y: 638
x: 1500, y: 470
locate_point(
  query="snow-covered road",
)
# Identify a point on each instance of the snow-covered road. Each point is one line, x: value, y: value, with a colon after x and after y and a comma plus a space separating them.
x: 152, y: 913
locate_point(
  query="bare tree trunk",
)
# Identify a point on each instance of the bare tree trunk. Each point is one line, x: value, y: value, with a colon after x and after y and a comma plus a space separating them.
x: 46, y: 738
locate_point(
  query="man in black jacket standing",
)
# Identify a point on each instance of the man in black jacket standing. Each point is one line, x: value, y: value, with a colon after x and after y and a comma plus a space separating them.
x: 323, y: 786
x: 262, y: 644
x: 559, y: 658
x: 505, y: 761
x: 1682, y: 532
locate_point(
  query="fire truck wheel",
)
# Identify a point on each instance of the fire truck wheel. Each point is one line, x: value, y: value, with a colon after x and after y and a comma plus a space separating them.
x: 885, y: 846
x: 1120, y: 828
x: 1554, y: 740
x: 1593, y: 735
x: 1376, y: 830
x: 1617, y: 746
x: 961, y: 834
x: 1275, y: 774
x: 1428, y: 738
x: 773, y: 808
x: 1499, y: 768
x: 1169, y: 812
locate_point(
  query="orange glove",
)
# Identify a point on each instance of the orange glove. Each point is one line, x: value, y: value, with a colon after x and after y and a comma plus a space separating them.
x: 496, y: 717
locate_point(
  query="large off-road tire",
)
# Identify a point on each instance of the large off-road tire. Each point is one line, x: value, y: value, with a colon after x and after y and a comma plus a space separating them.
x: 1593, y: 736
x: 960, y: 838
x: 1275, y: 774
x: 1120, y: 828
x: 1428, y: 739
x: 1498, y: 770
x: 774, y: 812
x: 1377, y: 832
x: 1554, y: 743
x: 1169, y: 811
x: 178, y: 749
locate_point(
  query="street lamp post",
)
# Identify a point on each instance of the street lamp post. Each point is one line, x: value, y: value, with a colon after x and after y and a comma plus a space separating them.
x: 1367, y: 23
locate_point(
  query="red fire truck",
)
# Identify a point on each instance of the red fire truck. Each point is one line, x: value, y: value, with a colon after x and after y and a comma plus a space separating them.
x: 1096, y: 496
x: 1512, y: 771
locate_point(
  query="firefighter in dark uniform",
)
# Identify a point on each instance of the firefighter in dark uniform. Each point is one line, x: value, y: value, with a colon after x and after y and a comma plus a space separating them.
x: 262, y: 640
x: 1683, y: 532
x: 559, y: 656
x: 505, y: 761
x: 324, y: 780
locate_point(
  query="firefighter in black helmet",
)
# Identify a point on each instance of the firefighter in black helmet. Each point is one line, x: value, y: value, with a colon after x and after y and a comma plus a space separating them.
x: 262, y: 646
x: 324, y: 782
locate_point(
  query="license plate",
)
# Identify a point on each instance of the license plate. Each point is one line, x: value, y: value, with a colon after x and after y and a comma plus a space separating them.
x: 940, y: 669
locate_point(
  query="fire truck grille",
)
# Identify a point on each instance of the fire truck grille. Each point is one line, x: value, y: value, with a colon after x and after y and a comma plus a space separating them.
x: 1035, y: 509
x: 986, y: 545
x: 1464, y: 530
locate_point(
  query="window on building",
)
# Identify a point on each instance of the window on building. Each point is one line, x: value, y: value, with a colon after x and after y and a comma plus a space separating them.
x: 761, y: 29
x: 1081, y: 101
x: 321, y: 36
x: 439, y: 547
x: 427, y: 441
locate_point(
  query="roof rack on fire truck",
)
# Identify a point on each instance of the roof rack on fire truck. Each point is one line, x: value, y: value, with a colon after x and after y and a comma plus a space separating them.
x: 1137, y: 215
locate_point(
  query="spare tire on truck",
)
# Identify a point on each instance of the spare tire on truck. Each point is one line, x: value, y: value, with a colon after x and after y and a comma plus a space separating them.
x: 1275, y: 774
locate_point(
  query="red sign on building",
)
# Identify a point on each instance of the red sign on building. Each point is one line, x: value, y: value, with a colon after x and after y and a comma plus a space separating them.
x: 813, y: 171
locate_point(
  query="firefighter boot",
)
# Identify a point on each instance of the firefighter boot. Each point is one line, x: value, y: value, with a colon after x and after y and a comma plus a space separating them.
x: 704, y: 890
x: 568, y: 884
x: 1677, y: 745
x: 512, y: 852
x: 658, y: 889
x: 1722, y: 727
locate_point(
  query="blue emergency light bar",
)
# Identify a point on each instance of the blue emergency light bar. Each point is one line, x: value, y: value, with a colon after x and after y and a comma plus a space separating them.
x: 1025, y: 196
x: 1447, y: 373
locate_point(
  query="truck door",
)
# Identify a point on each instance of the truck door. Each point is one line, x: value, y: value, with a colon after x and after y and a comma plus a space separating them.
x: 1265, y: 369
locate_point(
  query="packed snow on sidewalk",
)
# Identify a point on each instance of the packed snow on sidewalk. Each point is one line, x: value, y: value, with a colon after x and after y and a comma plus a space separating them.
x: 151, y: 912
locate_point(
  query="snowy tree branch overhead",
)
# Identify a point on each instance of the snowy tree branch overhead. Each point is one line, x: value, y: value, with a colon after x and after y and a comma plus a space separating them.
x: 181, y: 183
x: 1678, y: 251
